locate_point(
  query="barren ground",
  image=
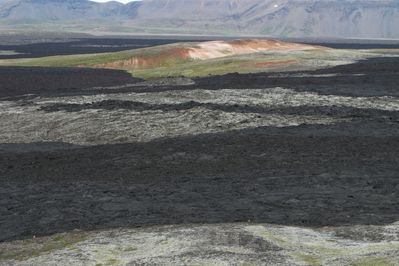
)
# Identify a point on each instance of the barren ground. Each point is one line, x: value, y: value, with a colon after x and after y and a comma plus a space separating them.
x: 297, y: 168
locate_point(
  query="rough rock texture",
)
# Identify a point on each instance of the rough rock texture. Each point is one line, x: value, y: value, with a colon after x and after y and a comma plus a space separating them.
x: 217, y: 244
x: 285, y: 168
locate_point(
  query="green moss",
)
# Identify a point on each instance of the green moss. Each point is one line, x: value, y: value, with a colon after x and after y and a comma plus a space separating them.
x: 128, y: 249
x: 111, y: 262
x: 271, y: 237
x: 59, y: 238
x: 372, y: 261
x: 327, y: 251
x: 308, y: 259
x: 25, y: 249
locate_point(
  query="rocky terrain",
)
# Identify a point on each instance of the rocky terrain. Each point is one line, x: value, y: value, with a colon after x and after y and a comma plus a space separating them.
x: 298, y: 18
x: 215, y: 244
x: 290, y: 168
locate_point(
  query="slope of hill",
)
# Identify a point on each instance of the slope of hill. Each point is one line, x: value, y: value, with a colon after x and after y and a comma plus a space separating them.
x: 198, y: 59
x: 297, y: 18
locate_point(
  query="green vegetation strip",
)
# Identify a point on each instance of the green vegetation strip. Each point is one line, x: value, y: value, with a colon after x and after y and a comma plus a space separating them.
x: 8, y: 52
x: 25, y: 249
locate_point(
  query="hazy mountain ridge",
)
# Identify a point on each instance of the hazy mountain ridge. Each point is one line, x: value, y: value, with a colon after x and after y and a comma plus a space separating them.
x: 335, y: 18
x: 43, y: 10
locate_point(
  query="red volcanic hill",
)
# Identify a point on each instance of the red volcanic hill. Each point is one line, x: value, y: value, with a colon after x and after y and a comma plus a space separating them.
x: 171, y: 54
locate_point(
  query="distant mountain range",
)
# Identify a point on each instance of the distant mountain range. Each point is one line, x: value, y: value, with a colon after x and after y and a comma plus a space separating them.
x: 288, y: 18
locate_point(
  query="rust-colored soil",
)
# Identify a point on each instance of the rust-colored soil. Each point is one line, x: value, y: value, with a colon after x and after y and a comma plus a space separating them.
x: 207, y: 50
x: 142, y: 62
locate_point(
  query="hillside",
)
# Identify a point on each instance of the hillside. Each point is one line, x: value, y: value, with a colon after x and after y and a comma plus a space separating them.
x: 199, y: 59
x: 294, y: 18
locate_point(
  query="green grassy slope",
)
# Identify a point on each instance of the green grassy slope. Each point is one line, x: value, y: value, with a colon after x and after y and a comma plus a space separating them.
x: 177, y: 66
x: 220, y: 66
x: 89, y: 59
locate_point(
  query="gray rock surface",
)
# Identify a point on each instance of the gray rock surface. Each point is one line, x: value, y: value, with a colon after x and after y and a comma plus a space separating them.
x: 212, y: 244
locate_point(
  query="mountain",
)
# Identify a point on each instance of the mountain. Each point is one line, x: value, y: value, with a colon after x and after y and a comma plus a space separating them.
x: 294, y: 18
x: 340, y: 18
x: 48, y: 10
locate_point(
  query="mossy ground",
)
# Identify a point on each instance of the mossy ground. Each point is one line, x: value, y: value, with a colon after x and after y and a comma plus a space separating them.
x: 319, y: 247
x: 287, y: 245
x: 372, y: 261
x: 25, y: 249
x: 311, y: 260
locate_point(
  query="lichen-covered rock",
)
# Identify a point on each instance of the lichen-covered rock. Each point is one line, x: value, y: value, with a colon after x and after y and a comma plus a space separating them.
x: 213, y: 244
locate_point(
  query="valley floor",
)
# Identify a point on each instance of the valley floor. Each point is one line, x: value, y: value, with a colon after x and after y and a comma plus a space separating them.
x: 294, y: 168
